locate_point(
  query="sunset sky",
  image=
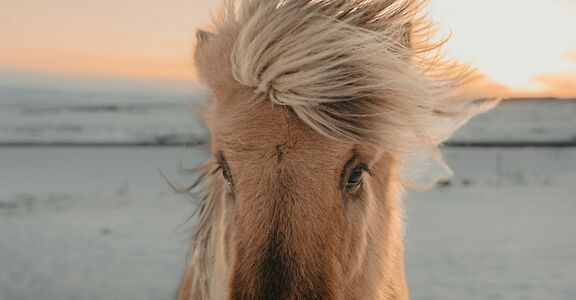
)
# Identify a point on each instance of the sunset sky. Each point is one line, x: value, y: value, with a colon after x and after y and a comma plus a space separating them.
x: 526, y: 45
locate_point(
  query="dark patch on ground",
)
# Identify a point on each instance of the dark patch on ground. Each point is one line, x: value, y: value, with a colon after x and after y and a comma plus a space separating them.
x: 29, y: 202
x: 444, y: 183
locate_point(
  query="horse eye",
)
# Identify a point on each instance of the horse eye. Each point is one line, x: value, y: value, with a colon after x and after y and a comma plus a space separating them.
x: 226, y: 175
x: 355, y: 178
x: 223, y: 166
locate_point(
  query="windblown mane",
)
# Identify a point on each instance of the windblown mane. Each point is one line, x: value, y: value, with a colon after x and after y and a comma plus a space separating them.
x: 359, y: 70
x: 365, y: 71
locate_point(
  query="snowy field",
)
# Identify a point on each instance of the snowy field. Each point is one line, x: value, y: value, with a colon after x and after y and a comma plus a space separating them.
x: 98, y: 221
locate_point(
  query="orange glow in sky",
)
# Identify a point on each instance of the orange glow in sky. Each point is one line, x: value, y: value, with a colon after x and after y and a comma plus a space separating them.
x: 528, y: 46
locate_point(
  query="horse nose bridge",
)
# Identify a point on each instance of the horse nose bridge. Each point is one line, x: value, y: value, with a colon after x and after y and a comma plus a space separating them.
x: 289, y: 260
x: 283, y: 270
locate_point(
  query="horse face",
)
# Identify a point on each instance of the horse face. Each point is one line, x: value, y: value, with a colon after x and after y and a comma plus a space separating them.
x: 298, y: 208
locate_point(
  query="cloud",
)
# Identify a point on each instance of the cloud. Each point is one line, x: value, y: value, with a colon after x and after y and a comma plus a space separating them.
x: 553, y: 84
x: 562, y: 85
x: 482, y: 87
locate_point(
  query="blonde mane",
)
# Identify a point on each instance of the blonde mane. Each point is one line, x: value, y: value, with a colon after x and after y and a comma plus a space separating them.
x: 366, y: 71
x: 357, y: 70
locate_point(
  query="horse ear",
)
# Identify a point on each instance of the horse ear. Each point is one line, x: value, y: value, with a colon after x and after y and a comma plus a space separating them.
x: 203, y: 36
x: 406, y: 37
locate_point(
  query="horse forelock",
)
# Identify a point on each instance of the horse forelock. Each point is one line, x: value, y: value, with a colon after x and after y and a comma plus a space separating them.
x: 361, y: 71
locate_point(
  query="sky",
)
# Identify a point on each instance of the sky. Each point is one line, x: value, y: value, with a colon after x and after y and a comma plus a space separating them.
x: 528, y: 46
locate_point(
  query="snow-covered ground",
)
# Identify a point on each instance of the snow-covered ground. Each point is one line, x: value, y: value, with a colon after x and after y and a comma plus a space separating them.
x: 100, y: 222
x: 79, y: 223
x: 501, y: 228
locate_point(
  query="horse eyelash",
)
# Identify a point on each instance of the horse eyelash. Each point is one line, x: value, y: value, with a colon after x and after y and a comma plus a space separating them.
x: 221, y: 162
x: 366, y: 169
x: 223, y: 166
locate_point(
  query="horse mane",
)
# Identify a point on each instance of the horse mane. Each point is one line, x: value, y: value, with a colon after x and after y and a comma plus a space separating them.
x: 366, y: 71
x: 201, y: 253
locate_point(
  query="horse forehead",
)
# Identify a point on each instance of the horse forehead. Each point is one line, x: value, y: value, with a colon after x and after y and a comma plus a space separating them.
x: 271, y: 130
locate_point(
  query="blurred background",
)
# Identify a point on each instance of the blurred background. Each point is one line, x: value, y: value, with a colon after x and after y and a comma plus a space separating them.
x: 93, y: 102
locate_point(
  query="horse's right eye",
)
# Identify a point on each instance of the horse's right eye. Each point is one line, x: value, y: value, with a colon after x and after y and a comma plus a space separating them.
x: 223, y: 166
x: 226, y: 174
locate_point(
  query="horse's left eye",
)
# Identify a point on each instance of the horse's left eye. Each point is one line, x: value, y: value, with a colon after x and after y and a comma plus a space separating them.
x: 355, y: 178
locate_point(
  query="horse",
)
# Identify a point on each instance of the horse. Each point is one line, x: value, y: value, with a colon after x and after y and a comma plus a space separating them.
x: 318, y: 107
